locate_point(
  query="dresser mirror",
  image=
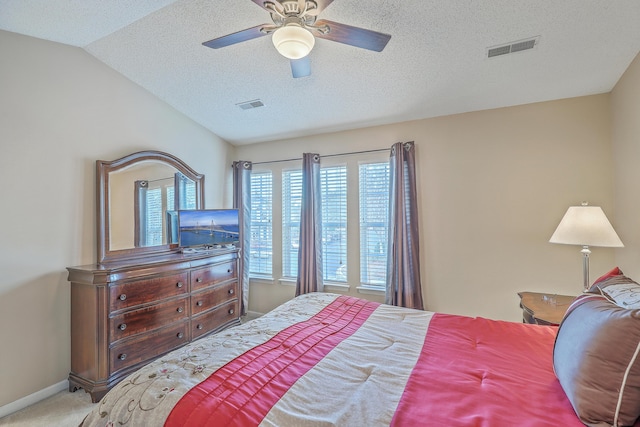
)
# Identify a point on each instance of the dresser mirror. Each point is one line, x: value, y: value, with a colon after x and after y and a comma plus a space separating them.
x: 138, y: 198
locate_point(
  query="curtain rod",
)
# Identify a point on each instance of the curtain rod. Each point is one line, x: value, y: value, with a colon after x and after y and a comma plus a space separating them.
x: 328, y: 155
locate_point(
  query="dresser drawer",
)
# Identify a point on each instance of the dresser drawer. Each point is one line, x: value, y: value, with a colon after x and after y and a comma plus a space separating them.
x: 148, y: 318
x: 143, y: 291
x: 148, y: 346
x: 213, y: 297
x: 214, y: 319
x: 211, y: 275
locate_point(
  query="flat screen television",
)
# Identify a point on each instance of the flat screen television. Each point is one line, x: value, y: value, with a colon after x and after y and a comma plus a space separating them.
x: 208, y: 228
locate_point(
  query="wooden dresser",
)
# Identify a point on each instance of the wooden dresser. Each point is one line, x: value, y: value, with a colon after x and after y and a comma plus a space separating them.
x: 127, y: 313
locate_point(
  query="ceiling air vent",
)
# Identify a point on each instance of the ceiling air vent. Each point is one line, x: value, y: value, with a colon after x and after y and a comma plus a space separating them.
x: 248, y: 105
x: 513, y: 47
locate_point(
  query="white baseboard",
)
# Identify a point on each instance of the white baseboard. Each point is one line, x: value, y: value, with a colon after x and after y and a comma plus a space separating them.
x: 36, y: 397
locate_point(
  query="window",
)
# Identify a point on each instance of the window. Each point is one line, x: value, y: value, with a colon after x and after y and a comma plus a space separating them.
x: 153, y: 217
x: 355, y: 205
x: 333, y: 188
x: 186, y: 192
x: 261, y: 255
x: 154, y: 198
x: 291, y: 204
x: 374, y: 223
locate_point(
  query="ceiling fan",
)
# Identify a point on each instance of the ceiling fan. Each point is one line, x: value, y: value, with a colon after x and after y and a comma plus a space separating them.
x: 294, y: 25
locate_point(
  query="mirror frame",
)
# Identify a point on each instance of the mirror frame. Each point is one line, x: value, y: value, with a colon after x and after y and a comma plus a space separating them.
x: 103, y: 169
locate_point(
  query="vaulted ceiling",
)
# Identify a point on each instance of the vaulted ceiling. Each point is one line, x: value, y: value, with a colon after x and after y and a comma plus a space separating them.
x: 435, y: 63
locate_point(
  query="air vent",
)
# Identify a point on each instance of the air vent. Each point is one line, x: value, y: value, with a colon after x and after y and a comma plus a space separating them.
x: 248, y: 105
x: 513, y: 47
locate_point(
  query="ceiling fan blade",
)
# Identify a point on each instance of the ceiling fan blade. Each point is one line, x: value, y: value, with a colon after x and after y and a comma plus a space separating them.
x: 354, y: 36
x: 240, y: 36
x: 301, y: 67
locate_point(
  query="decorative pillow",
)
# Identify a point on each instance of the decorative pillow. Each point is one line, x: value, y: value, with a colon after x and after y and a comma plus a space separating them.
x: 625, y: 295
x: 615, y: 271
x: 608, y: 280
x: 595, y: 358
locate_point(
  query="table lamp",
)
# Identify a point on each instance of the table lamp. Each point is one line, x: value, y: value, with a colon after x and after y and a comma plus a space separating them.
x: 586, y: 226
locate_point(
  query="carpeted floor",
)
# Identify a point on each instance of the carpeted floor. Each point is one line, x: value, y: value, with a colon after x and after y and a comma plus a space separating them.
x: 63, y: 409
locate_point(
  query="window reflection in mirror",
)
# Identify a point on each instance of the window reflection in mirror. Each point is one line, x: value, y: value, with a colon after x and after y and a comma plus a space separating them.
x: 156, y: 206
x: 153, y: 199
x: 127, y: 204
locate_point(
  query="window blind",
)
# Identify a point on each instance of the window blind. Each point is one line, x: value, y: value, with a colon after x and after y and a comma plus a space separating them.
x: 261, y: 250
x: 153, y: 217
x: 374, y: 220
x: 333, y: 189
x: 291, y: 204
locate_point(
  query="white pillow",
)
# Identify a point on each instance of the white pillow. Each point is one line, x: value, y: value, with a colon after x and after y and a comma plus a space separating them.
x: 626, y: 295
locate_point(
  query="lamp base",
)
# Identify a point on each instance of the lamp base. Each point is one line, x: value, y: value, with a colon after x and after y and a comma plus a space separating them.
x: 585, y: 266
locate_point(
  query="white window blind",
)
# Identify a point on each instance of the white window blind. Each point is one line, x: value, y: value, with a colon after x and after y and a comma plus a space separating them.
x: 374, y: 220
x: 190, y: 196
x: 153, y: 217
x: 333, y: 188
x: 186, y: 192
x: 171, y: 198
x: 291, y: 203
x: 261, y: 251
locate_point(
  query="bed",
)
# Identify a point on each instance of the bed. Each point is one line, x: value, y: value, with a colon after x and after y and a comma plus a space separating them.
x: 332, y: 360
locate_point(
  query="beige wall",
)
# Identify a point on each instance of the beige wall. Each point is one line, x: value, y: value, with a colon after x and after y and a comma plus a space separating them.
x: 493, y: 185
x: 60, y: 111
x: 625, y: 112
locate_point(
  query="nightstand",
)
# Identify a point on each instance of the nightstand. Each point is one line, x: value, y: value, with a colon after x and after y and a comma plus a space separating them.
x: 543, y: 309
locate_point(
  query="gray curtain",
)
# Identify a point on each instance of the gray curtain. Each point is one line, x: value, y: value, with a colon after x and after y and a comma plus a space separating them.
x: 242, y: 202
x: 403, y: 263
x: 310, y: 249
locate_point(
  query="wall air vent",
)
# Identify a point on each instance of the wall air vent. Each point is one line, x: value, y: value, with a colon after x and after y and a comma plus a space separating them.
x: 248, y: 105
x: 513, y: 47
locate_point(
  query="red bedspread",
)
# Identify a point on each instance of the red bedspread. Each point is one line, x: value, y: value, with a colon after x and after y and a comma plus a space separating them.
x: 463, y: 377
x: 243, y: 391
x: 330, y: 360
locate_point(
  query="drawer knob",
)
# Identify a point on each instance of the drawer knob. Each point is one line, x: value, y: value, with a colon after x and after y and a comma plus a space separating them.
x: 231, y: 311
x: 179, y: 284
x: 123, y: 297
x: 230, y: 291
x: 199, y: 326
x: 199, y: 280
x: 229, y: 270
x: 180, y: 335
x: 180, y: 309
x: 122, y: 327
x: 199, y: 303
x: 122, y: 356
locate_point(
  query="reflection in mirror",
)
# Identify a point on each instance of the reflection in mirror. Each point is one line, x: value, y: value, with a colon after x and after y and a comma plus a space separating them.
x: 129, y: 198
x: 185, y: 192
x: 139, y: 196
x: 156, y: 202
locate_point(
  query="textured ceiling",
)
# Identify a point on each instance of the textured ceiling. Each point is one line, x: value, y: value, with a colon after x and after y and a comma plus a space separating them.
x: 435, y: 63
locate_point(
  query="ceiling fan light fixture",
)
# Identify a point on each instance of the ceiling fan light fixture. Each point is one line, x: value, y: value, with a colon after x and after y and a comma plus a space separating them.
x: 292, y: 41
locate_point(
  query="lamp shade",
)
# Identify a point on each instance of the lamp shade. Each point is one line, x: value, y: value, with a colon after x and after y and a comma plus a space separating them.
x: 292, y: 41
x: 586, y: 226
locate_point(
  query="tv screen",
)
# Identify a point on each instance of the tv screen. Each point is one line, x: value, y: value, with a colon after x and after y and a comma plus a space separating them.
x: 208, y: 228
